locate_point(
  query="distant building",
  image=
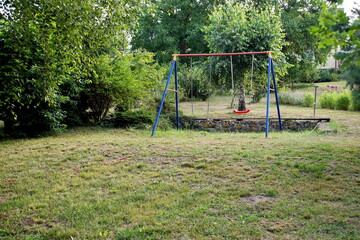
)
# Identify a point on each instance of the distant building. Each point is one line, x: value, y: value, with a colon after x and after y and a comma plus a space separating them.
x: 331, y: 62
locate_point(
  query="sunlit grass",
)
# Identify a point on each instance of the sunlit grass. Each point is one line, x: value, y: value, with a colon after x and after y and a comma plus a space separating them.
x: 184, y: 184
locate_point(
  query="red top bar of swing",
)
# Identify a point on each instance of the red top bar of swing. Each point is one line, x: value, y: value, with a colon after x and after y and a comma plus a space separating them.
x: 219, y: 54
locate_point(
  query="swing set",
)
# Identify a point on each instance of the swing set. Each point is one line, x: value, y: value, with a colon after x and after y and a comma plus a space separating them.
x: 270, y: 74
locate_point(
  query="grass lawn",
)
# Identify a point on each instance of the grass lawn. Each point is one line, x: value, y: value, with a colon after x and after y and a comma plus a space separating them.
x: 322, y: 85
x: 92, y: 183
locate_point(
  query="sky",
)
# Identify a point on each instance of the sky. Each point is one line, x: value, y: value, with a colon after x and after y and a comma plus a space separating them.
x: 350, y: 4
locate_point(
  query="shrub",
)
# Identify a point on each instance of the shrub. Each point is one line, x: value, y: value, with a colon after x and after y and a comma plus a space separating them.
x: 343, y: 100
x: 308, y: 100
x: 324, y: 76
x: 352, y: 76
x: 327, y: 100
x: 334, y: 77
x: 153, y: 104
x: 355, y: 102
x: 138, y: 119
x: 328, y: 75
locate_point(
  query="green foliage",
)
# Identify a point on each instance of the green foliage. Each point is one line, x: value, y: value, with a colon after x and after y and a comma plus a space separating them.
x: 333, y: 27
x: 308, y: 100
x: 171, y: 26
x: 355, y: 103
x: 301, y: 72
x: 343, y: 100
x: 327, y: 100
x: 194, y: 82
x: 328, y: 75
x: 352, y: 76
x: 228, y: 31
x: 325, y: 76
x: 137, y: 119
x: 336, y: 100
x: 336, y: 30
x: 302, y: 52
x: 154, y: 104
x: 240, y: 27
x: 122, y: 80
x: 60, y: 62
x: 28, y: 82
x: 258, y: 89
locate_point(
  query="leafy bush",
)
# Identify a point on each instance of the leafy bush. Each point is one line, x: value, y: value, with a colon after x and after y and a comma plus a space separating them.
x: 153, y: 104
x: 355, y: 102
x: 308, y: 100
x: 138, y: 119
x: 328, y: 75
x: 121, y: 80
x: 352, y: 76
x: 327, y: 100
x: 343, y: 100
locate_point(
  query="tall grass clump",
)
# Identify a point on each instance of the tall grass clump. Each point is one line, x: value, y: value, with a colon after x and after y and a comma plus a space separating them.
x: 298, y: 98
x: 292, y: 97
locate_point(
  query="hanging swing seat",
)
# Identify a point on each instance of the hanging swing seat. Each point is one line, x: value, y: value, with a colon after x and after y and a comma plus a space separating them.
x: 236, y: 111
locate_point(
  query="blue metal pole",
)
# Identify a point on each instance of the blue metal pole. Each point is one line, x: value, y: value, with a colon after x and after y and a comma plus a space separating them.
x: 268, y: 99
x: 163, y: 98
x: 177, y: 98
x: 276, y: 94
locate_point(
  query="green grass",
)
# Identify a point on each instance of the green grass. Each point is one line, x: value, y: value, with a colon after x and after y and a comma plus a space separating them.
x: 183, y: 184
x: 322, y: 86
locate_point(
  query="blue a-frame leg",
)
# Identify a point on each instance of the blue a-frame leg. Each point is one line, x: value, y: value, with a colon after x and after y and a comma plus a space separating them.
x: 172, y: 69
x: 271, y: 73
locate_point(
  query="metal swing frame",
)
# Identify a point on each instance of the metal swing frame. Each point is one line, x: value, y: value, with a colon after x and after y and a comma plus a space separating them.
x: 173, y: 69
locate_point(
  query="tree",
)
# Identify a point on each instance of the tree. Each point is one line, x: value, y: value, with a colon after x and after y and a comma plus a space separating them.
x: 121, y: 81
x: 47, y: 43
x: 302, y: 52
x: 172, y: 26
x: 336, y: 30
x: 241, y: 27
x: 27, y: 77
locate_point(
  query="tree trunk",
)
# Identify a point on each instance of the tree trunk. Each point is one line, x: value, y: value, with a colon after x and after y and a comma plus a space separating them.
x: 8, y: 126
x: 241, y: 104
x: 182, y: 45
